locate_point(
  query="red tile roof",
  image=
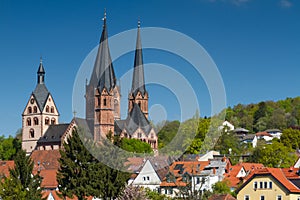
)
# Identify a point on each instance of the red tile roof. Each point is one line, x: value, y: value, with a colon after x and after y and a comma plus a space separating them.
x: 263, y: 134
x: 45, y: 159
x: 190, y: 167
x: 277, y: 174
x: 231, y: 175
x: 5, y: 166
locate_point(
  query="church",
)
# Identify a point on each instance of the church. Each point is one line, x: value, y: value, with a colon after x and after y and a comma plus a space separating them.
x: 41, y: 129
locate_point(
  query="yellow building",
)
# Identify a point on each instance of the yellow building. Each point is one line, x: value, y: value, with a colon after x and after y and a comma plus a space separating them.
x: 268, y: 184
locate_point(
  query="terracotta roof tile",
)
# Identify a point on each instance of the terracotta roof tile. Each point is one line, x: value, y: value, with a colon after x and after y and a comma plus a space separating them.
x: 5, y: 166
x: 277, y: 174
x: 45, y: 159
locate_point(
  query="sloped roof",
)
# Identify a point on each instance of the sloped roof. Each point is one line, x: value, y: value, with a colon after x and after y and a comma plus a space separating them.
x: 103, y: 75
x: 53, y: 134
x: 136, y: 119
x: 41, y: 94
x: 49, y: 178
x: 178, y: 168
x: 45, y: 159
x: 5, y: 166
x: 275, y: 173
x: 263, y: 134
x: 138, y: 82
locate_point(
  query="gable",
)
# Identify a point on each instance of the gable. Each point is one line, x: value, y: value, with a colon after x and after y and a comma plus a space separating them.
x: 147, y: 175
x: 49, y: 106
x: 31, y: 104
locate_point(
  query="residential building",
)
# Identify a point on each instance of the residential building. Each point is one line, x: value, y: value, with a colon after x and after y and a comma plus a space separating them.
x: 268, y: 183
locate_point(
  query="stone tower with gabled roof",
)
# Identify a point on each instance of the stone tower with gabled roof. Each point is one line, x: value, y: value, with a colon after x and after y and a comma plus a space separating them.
x: 138, y: 94
x: 40, y: 112
x: 102, y: 93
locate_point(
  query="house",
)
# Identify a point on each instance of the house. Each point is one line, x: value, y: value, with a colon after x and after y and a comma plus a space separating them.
x: 268, y: 183
x: 5, y: 166
x: 237, y: 173
x: 151, y: 173
x: 276, y: 133
x: 193, y: 176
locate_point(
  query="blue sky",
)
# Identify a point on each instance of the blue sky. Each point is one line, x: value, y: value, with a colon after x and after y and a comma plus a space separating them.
x: 255, y: 45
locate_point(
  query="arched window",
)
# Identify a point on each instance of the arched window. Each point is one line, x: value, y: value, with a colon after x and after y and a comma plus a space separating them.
x: 29, y: 109
x: 104, y: 102
x: 98, y: 101
x: 34, y: 109
x: 139, y: 135
x: 52, y: 109
x: 28, y: 121
x: 31, y: 133
x: 53, y: 121
x: 139, y: 103
x: 36, y: 121
x: 47, y: 121
x: 47, y: 108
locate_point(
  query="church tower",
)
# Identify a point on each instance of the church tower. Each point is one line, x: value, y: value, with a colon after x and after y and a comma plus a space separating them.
x: 138, y: 94
x: 40, y: 112
x: 102, y: 93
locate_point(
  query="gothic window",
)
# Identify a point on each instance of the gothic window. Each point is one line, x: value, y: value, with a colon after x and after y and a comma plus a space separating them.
x: 98, y: 101
x: 36, y: 121
x: 31, y: 133
x: 34, y: 109
x: 139, y: 104
x: 53, y: 121
x: 28, y: 121
x: 47, y: 108
x: 52, y: 109
x: 29, y: 109
x: 47, y: 121
x: 104, y: 102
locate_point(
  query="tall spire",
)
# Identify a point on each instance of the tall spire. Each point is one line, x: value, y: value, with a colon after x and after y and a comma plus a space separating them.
x: 138, y: 82
x: 41, y: 73
x: 103, y: 75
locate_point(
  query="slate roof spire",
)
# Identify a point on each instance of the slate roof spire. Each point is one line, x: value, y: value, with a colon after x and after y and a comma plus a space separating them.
x: 41, y: 73
x: 103, y: 75
x: 41, y: 92
x: 138, y: 82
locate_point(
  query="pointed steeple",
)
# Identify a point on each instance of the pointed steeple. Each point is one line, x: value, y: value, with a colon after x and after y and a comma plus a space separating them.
x: 41, y: 73
x: 103, y: 75
x: 138, y: 82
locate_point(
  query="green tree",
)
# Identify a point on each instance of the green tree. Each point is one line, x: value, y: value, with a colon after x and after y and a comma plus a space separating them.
x: 82, y: 175
x: 74, y: 168
x: 167, y: 133
x: 291, y: 138
x: 21, y: 183
x: 9, y: 147
x: 274, y: 155
x: 221, y: 187
x: 135, y: 145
